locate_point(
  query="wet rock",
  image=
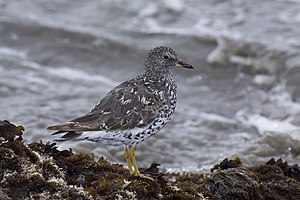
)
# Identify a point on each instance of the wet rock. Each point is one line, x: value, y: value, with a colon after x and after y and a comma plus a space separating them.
x: 8, y: 131
x: 292, y: 171
x: 274, y: 184
x: 226, y: 164
x: 233, y: 183
x: 40, y: 171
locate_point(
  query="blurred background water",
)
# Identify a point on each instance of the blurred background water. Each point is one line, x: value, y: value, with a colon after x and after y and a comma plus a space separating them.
x: 58, y: 58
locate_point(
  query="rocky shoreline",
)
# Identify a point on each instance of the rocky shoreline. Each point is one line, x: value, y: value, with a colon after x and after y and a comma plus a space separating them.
x: 40, y: 171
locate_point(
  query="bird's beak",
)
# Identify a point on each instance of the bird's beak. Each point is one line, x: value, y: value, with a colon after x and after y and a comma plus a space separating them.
x: 180, y: 63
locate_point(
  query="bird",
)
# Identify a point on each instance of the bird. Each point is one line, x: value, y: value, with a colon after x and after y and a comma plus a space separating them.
x: 133, y: 111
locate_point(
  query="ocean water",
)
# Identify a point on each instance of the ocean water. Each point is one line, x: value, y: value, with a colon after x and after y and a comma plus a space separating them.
x: 59, y: 58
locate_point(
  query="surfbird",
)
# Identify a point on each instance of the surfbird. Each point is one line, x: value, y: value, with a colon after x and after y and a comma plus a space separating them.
x: 133, y: 111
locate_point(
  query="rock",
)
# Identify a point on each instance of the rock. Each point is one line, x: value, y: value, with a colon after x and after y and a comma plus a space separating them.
x: 40, y: 171
x: 8, y: 131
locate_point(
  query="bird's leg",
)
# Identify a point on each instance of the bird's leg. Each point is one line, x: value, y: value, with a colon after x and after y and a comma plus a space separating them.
x: 136, y: 171
x: 127, y: 157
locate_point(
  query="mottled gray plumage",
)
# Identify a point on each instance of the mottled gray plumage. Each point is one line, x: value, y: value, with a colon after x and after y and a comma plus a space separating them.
x: 132, y: 111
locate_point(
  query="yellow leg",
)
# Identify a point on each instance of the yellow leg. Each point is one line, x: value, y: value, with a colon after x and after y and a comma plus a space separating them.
x: 127, y: 157
x: 136, y: 171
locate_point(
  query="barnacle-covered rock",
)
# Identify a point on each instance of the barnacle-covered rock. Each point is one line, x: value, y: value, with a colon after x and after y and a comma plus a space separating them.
x: 41, y: 171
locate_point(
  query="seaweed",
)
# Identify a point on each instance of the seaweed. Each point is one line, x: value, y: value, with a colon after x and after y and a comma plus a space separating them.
x: 41, y: 171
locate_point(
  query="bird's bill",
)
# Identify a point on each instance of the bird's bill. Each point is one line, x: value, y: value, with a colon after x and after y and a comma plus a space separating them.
x: 180, y: 63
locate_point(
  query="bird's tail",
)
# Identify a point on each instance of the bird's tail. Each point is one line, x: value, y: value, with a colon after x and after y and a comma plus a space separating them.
x: 71, y: 135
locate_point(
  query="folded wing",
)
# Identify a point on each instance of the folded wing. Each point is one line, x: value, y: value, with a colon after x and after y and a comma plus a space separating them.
x: 127, y: 106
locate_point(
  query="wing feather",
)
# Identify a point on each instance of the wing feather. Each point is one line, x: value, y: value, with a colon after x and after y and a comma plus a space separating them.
x: 127, y: 106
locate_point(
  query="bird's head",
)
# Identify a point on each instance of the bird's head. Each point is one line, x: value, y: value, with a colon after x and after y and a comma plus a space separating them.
x: 162, y: 59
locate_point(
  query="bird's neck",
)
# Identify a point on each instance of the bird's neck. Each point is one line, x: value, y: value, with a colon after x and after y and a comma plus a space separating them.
x: 159, y: 75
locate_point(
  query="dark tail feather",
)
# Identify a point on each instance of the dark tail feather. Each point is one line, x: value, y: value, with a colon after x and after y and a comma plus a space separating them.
x: 71, y: 135
x: 58, y: 132
x: 54, y: 127
x: 68, y: 136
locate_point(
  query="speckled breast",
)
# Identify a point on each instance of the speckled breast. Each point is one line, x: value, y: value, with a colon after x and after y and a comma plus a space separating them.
x: 168, y: 95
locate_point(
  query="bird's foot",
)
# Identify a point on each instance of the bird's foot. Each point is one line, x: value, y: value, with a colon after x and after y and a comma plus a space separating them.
x: 138, y: 174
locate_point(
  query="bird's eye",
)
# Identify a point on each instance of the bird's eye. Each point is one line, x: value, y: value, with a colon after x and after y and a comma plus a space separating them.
x: 166, y: 57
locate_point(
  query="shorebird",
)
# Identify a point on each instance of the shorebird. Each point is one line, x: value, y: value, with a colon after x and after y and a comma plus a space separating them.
x: 133, y: 111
